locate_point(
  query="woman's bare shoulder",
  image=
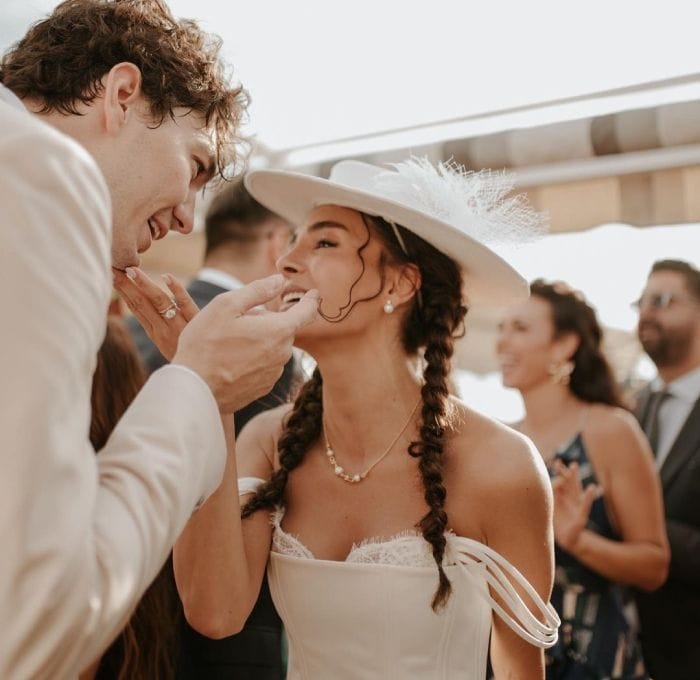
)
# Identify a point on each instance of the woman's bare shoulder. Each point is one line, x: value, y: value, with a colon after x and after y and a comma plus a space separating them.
x: 610, y: 420
x: 498, y: 474
x: 616, y: 433
x: 493, y: 451
x: 262, y: 432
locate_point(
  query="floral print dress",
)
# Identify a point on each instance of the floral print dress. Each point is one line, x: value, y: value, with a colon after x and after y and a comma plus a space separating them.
x: 597, y: 640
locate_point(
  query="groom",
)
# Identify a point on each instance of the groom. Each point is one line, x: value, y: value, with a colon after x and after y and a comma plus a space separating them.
x: 113, y: 115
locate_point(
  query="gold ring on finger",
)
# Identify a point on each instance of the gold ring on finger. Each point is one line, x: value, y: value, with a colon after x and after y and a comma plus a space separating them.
x: 169, y: 312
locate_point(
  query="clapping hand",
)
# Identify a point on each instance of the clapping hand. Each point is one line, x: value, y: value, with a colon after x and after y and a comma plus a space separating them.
x: 572, y: 504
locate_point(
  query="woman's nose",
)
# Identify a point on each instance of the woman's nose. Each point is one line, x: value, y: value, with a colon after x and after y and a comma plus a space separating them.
x: 289, y: 263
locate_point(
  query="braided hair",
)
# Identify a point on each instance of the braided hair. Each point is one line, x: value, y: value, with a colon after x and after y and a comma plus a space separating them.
x: 434, y: 320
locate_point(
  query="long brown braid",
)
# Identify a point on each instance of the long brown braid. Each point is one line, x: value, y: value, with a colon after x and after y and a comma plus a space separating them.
x: 301, y: 430
x: 431, y: 325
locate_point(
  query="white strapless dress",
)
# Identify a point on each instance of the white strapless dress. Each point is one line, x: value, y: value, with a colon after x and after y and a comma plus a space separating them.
x: 369, y: 617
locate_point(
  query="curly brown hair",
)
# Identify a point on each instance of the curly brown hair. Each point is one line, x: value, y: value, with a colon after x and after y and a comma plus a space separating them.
x: 62, y: 59
x: 592, y: 379
x: 432, y: 323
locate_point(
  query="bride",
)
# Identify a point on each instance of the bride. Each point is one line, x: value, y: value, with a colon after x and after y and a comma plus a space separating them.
x: 402, y: 531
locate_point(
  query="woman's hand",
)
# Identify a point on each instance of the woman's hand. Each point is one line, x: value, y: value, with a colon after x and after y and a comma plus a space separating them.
x: 162, y: 316
x: 572, y: 505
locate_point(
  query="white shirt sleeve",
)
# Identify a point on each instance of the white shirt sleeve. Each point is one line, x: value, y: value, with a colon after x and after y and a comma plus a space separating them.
x: 82, y: 535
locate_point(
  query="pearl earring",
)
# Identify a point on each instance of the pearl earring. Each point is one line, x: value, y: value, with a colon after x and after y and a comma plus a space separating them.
x: 388, y: 307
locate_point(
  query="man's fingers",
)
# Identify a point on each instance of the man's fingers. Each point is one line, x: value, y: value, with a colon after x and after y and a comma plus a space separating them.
x: 303, y: 312
x: 183, y: 300
x: 256, y: 293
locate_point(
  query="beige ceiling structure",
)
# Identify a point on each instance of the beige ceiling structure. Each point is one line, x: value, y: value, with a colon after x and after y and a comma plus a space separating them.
x: 639, y: 167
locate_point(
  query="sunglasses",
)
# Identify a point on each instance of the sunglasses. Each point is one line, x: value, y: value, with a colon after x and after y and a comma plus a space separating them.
x: 657, y: 301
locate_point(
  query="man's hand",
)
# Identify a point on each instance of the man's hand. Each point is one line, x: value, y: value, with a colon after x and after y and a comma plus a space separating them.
x: 235, y: 345
x: 239, y: 349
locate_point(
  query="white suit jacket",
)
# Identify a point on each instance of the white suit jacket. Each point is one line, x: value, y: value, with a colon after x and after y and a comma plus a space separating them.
x: 81, y: 536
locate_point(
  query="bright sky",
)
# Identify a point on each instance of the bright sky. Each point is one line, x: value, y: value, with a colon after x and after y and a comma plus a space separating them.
x: 321, y: 70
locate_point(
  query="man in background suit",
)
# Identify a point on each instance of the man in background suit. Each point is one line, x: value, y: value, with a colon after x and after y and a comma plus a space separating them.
x: 244, y: 240
x: 113, y: 115
x: 669, y: 412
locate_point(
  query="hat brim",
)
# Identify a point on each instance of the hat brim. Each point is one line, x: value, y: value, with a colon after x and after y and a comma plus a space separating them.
x: 488, y: 278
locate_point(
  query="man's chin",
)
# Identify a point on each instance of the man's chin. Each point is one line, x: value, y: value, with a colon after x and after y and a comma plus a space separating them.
x: 657, y: 351
x: 120, y: 269
x: 120, y: 264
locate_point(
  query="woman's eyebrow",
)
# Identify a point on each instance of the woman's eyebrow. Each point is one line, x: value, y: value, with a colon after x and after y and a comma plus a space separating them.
x: 326, y: 224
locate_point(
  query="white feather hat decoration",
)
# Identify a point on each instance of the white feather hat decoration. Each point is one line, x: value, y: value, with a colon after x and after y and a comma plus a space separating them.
x: 458, y: 212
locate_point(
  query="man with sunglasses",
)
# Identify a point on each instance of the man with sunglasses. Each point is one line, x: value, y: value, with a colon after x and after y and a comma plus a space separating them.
x: 669, y: 412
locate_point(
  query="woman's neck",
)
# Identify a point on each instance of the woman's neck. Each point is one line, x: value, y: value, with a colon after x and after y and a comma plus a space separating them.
x: 546, y: 406
x: 367, y: 400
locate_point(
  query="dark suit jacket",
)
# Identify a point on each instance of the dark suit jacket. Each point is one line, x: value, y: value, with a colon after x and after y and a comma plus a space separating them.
x: 256, y: 652
x: 670, y: 616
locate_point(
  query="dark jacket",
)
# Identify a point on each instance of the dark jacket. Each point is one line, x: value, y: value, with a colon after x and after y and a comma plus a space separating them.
x: 670, y: 616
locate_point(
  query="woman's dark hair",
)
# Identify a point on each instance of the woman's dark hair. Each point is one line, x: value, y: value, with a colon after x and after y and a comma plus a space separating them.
x: 592, y: 379
x: 118, y: 377
x: 146, y: 648
x: 434, y: 319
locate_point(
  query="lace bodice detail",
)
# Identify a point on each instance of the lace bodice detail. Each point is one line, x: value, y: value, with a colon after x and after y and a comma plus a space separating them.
x: 370, y: 615
x: 407, y: 549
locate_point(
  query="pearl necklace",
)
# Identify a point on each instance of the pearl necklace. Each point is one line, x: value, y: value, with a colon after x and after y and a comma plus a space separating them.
x: 357, y: 478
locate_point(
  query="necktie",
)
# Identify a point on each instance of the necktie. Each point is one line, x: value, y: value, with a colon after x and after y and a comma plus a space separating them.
x: 651, y: 422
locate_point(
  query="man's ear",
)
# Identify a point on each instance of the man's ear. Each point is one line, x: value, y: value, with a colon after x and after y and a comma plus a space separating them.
x: 121, y: 94
x: 403, y: 283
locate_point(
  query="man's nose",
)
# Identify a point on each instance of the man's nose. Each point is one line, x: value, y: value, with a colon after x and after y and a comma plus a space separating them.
x: 183, y: 215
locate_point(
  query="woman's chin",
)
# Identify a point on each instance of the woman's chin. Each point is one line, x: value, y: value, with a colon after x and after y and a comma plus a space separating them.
x: 509, y: 381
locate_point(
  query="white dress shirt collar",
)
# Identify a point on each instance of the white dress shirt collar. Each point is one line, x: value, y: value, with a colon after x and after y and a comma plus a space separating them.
x: 675, y: 410
x: 686, y: 387
x: 218, y: 278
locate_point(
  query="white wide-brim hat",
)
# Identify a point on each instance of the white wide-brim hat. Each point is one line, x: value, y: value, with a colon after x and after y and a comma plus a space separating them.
x: 457, y: 212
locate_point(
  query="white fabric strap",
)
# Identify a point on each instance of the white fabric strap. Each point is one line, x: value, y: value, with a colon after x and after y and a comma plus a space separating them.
x: 249, y: 485
x: 399, y: 238
x: 521, y: 620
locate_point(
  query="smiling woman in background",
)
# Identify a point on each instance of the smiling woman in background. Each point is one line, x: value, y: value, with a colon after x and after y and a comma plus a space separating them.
x: 608, y: 514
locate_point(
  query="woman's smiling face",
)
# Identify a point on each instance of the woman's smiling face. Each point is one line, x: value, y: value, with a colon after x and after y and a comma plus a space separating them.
x: 337, y: 253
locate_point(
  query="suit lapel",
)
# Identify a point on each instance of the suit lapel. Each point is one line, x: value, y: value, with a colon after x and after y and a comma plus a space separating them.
x: 687, y: 442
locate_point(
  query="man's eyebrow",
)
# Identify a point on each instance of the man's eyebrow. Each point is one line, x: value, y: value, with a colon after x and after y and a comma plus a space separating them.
x: 327, y: 224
